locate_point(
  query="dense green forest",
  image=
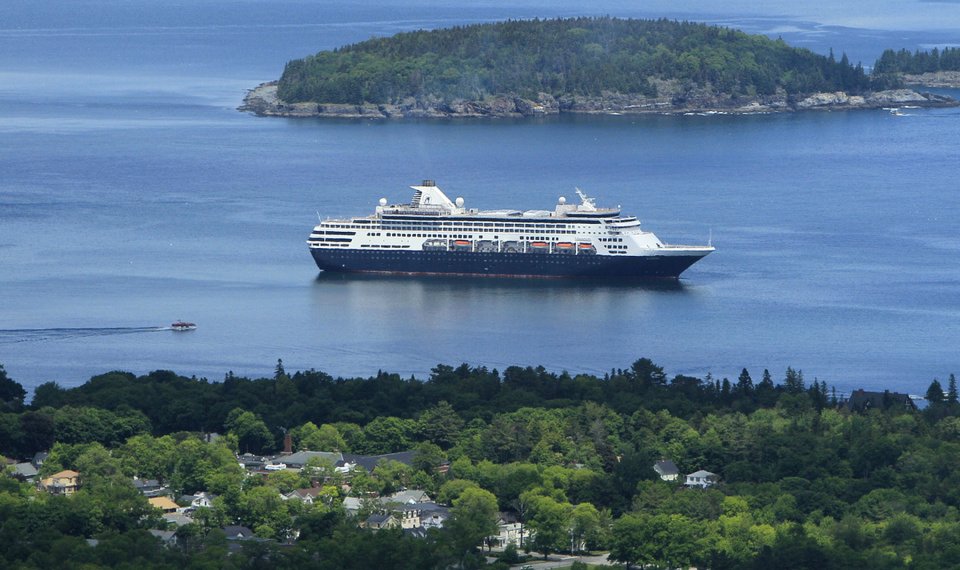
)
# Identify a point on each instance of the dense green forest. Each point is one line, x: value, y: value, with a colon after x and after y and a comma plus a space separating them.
x: 576, y: 56
x: 903, y: 61
x: 805, y: 481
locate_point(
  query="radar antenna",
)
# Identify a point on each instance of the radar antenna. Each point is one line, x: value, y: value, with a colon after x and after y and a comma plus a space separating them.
x: 585, y: 200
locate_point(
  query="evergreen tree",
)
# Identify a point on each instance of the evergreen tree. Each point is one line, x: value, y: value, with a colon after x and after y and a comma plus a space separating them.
x: 793, y: 382
x: 744, y: 384
x: 952, y: 390
x: 934, y: 393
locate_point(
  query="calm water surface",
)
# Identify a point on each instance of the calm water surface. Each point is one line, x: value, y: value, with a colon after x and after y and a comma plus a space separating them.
x: 133, y: 194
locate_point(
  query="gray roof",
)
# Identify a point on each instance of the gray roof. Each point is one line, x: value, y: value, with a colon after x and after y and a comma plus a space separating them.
x: 39, y: 457
x: 379, y: 518
x: 407, y: 496
x: 167, y: 536
x: 861, y: 400
x: 666, y: 467
x: 146, y: 484
x: 300, y: 458
x: 417, y: 532
x: 369, y: 462
x: 178, y: 519
x: 237, y: 532
x: 25, y: 470
x: 702, y: 474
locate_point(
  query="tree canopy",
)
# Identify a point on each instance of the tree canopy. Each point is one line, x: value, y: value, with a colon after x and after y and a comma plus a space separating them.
x: 573, y: 56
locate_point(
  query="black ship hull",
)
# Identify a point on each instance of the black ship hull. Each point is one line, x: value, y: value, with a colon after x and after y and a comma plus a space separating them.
x: 495, y: 264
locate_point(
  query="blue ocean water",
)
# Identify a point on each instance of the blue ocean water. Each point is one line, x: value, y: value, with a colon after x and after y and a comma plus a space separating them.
x: 133, y: 194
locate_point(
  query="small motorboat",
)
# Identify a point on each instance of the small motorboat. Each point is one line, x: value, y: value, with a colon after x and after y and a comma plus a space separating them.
x: 183, y: 326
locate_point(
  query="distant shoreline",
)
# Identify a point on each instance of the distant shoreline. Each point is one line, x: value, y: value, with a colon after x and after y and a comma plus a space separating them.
x: 263, y: 101
x: 948, y: 79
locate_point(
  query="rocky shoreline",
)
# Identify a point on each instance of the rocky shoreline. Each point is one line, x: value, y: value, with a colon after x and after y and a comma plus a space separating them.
x: 674, y: 100
x: 949, y: 79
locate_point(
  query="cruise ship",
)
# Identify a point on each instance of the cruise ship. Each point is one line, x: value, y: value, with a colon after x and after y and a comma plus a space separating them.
x: 433, y: 235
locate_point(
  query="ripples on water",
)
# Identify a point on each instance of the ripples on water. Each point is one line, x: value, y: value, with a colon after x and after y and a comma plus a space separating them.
x: 132, y: 192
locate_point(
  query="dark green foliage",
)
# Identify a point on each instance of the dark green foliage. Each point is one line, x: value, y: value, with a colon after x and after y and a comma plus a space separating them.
x: 11, y: 393
x: 575, y: 56
x: 803, y: 483
x: 918, y: 62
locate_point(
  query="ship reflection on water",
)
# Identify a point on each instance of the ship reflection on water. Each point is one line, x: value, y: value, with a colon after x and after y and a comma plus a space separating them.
x: 415, y: 323
x: 444, y: 282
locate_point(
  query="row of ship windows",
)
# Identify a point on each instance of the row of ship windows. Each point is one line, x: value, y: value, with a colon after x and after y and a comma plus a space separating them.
x: 612, y: 239
x: 468, y: 225
x: 540, y: 260
x: 436, y: 226
x: 394, y: 246
x: 462, y: 236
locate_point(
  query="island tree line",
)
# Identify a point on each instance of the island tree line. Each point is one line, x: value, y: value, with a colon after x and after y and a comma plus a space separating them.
x: 564, y: 57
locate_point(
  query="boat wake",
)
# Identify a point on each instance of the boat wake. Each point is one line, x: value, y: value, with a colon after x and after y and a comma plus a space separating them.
x: 14, y: 336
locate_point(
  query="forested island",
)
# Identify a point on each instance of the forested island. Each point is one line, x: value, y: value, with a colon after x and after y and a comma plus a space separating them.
x: 574, y: 65
x: 166, y: 471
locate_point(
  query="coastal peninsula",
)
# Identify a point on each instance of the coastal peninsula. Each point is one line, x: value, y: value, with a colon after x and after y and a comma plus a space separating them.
x: 576, y: 65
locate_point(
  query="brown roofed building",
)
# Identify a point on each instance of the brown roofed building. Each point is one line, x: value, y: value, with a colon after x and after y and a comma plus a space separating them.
x: 164, y: 504
x: 63, y: 483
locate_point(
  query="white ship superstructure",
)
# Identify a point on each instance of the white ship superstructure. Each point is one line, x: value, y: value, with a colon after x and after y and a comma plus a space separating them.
x: 433, y: 234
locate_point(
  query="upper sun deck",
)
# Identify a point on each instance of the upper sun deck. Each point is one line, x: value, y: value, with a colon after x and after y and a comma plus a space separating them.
x: 429, y: 201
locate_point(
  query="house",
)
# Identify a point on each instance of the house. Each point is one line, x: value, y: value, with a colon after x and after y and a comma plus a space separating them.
x: 63, y: 483
x: 177, y: 519
x: 369, y: 462
x: 306, y: 496
x: 164, y: 504
x: 407, y: 496
x: 702, y: 479
x: 666, y: 469
x: 416, y: 515
x: 862, y: 400
x: 433, y: 515
x: 197, y: 501
x: 299, y: 459
x: 352, y: 505
x: 167, y: 537
x: 417, y: 532
x: 378, y: 521
x: 237, y: 532
x: 510, y: 530
x: 252, y: 462
x: 25, y: 472
x: 38, y: 458
x: 149, y: 487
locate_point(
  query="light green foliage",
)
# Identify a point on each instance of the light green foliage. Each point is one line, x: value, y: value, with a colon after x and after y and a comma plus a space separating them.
x: 392, y: 476
x: 473, y: 518
x: 549, y: 520
x: 286, y: 481
x: 660, y: 541
x: 584, y: 526
x: 313, y: 438
x: 147, y: 457
x: 452, y: 489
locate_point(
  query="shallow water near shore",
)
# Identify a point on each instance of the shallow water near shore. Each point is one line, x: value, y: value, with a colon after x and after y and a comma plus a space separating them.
x: 133, y: 194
